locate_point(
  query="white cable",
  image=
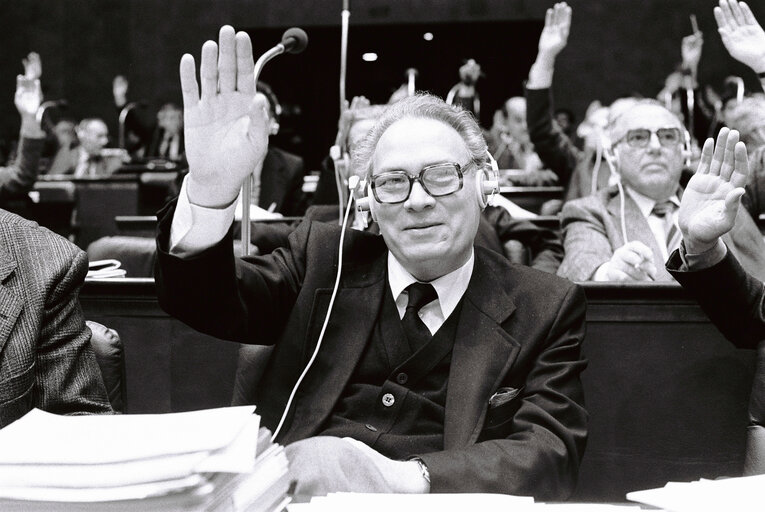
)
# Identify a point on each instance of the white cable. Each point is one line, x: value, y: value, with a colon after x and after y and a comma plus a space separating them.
x: 323, y: 327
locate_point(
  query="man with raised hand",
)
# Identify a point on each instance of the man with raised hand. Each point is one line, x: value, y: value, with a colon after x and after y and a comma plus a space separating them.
x: 442, y: 367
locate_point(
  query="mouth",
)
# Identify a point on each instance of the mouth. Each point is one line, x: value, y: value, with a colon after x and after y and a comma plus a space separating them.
x: 421, y: 226
x: 654, y: 165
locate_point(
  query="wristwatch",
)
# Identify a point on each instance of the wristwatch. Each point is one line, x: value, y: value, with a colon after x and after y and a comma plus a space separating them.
x: 423, y: 469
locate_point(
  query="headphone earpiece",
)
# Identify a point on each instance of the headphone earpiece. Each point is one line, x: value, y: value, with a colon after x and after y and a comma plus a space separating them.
x: 487, y: 182
x: 687, y: 151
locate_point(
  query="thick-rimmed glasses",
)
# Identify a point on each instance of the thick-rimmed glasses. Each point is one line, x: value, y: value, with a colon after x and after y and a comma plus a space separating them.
x: 437, y: 180
x: 641, y: 137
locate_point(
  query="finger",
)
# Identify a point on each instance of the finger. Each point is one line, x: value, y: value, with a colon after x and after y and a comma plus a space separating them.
x: 633, y: 271
x: 189, y: 85
x: 717, y: 158
x: 208, y: 69
x: 628, y: 256
x: 749, y: 18
x: 245, y: 66
x: 641, y: 249
x: 729, y: 158
x: 548, y: 18
x: 730, y: 19
x: 741, y: 169
x: 732, y: 199
x: 258, y: 128
x: 706, y: 156
x: 736, y: 10
x: 649, y: 268
x: 566, y: 19
x: 720, y: 19
x: 226, y: 59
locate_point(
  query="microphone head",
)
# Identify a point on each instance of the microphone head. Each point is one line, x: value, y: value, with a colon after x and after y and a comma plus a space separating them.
x: 412, y: 71
x: 294, y: 40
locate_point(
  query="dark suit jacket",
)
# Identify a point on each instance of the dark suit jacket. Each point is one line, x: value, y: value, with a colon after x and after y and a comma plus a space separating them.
x: 18, y: 178
x: 518, y: 328
x: 733, y: 299
x: 46, y: 360
x: 592, y: 232
x: 66, y: 163
x: 281, y: 182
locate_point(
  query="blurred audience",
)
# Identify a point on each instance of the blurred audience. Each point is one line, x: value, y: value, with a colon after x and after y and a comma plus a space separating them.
x: 89, y: 158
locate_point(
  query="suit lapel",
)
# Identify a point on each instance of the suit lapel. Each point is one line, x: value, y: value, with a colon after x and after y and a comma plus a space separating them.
x: 354, y: 313
x: 10, y: 305
x: 483, y: 353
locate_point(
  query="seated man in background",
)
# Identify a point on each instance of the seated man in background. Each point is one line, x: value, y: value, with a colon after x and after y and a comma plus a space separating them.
x: 90, y: 158
x: 46, y: 360
x: 443, y: 369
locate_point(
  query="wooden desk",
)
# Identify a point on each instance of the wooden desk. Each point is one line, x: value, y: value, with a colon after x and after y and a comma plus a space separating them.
x: 667, y: 395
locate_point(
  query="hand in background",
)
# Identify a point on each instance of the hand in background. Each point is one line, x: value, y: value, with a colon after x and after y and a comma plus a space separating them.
x: 632, y: 261
x: 555, y: 33
x: 226, y: 128
x: 711, y: 199
x: 346, y: 120
x: 120, y: 86
x: 690, y: 49
x: 742, y: 36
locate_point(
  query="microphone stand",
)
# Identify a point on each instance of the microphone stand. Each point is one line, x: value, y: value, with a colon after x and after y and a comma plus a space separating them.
x: 123, y: 116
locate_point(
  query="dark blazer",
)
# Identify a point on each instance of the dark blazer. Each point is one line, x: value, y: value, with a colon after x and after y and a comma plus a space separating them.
x: 592, y: 232
x: 46, y: 360
x: 18, y: 178
x: 518, y: 328
x: 281, y: 182
x: 733, y: 299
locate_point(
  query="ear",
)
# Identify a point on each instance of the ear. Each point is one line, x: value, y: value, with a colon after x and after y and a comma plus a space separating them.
x: 273, y: 127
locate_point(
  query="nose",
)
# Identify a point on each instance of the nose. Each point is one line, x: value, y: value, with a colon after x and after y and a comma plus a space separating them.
x: 653, y: 143
x: 418, y: 198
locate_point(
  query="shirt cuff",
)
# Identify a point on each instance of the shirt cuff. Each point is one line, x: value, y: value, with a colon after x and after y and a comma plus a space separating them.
x: 706, y: 259
x: 196, y: 228
x: 601, y: 273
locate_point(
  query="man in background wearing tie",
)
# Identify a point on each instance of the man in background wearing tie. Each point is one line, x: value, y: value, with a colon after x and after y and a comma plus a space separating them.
x: 443, y: 368
x: 647, y: 152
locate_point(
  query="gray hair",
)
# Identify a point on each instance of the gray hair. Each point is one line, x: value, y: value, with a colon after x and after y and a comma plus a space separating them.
x: 748, y: 116
x: 421, y: 106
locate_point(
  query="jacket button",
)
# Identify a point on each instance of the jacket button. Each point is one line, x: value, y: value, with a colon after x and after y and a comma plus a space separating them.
x: 401, y: 378
x: 388, y: 400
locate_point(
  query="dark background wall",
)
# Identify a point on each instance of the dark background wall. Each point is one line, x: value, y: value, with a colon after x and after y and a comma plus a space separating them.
x: 615, y: 46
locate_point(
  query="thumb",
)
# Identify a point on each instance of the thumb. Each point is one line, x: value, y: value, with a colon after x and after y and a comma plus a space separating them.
x: 257, y: 130
x: 732, y: 200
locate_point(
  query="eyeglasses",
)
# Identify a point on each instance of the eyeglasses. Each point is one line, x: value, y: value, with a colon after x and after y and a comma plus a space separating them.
x: 438, y: 180
x: 641, y: 137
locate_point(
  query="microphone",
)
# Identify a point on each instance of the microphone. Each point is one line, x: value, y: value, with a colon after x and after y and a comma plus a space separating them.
x: 294, y: 40
x: 45, y: 105
x: 411, y: 74
x: 123, y: 116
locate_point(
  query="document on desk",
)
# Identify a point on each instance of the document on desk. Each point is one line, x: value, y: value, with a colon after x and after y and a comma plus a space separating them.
x: 742, y: 494
x: 212, y: 460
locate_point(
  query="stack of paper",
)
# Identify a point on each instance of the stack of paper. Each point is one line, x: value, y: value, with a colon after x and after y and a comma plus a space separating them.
x: 211, y: 460
x: 740, y: 494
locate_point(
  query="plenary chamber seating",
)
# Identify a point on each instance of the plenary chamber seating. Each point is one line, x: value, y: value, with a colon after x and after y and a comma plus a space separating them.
x: 668, y: 396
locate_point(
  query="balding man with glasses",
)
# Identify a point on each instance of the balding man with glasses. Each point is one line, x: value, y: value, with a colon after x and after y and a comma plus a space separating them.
x: 429, y: 365
x: 627, y: 231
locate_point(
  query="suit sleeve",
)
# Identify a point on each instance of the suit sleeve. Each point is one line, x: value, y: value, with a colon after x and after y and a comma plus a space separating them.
x: 733, y: 299
x: 67, y: 377
x: 540, y: 456
x: 545, y: 244
x: 554, y: 148
x: 18, y: 178
x: 243, y: 300
x: 585, y: 242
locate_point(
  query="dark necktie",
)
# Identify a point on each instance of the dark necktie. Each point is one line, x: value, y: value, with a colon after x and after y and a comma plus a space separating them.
x: 416, y: 331
x: 664, y: 212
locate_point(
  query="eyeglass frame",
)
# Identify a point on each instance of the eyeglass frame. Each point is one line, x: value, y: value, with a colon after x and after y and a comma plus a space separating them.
x: 460, y: 169
x: 650, y: 134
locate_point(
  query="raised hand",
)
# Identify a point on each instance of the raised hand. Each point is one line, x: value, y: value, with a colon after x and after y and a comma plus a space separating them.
x: 555, y: 33
x: 690, y: 49
x: 710, y: 201
x: 226, y: 128
x: 742, y: 36
x: 28, y: 96
x: 632, y: 261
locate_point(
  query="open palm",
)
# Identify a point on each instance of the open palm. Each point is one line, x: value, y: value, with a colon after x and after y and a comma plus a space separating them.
x: 711, y: 199
x: 555, y: 33
x: 742, y: 36
x: 225, y: 129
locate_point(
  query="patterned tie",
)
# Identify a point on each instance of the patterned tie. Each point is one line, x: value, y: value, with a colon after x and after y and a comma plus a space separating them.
x: 664, y: 212
x: 416, y: 331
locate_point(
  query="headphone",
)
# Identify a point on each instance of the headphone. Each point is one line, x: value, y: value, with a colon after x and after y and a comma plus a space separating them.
x: 486, y: 186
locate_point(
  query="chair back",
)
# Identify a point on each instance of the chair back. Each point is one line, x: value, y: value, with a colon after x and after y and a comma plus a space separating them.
x: 110, y: 356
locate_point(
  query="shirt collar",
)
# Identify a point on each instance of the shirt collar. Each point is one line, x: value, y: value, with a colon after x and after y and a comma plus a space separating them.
x: 646, y: 204
x: 450, y: 287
